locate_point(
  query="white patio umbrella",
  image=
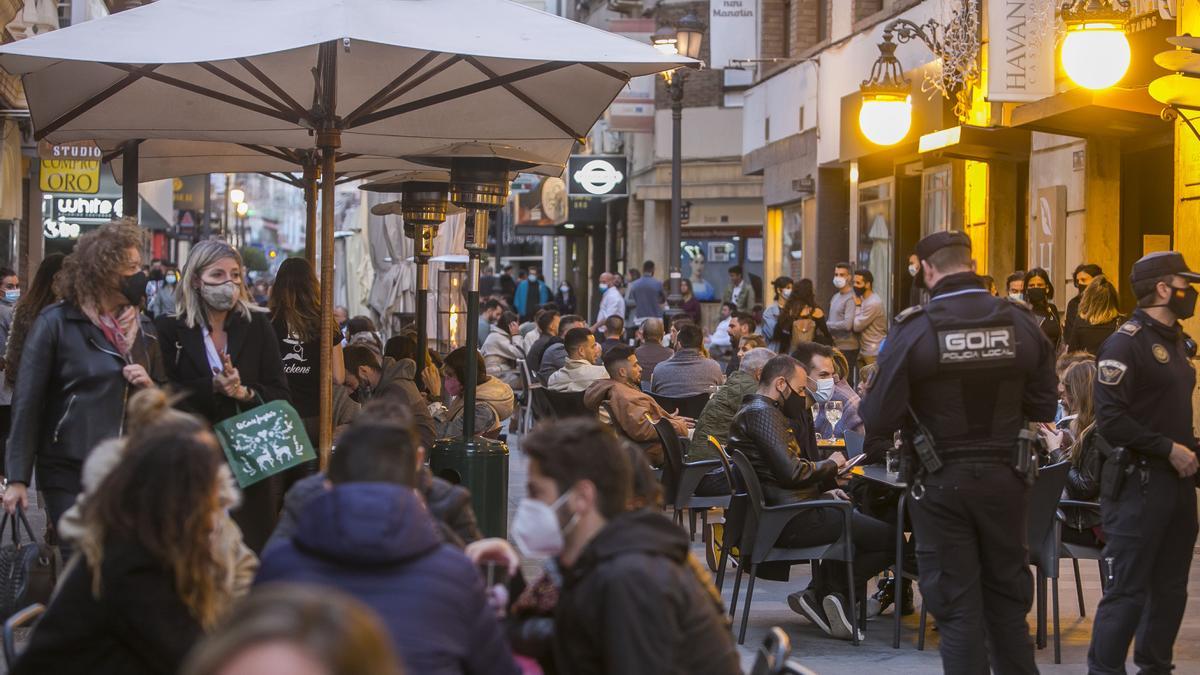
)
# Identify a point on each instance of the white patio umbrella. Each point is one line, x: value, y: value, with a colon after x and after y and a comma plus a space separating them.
x: 369, y: 77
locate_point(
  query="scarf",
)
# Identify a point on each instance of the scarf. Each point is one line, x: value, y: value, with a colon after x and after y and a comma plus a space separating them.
x: 120, y: 331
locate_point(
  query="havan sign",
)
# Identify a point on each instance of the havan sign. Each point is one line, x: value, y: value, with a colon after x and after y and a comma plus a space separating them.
x: 264, y: 441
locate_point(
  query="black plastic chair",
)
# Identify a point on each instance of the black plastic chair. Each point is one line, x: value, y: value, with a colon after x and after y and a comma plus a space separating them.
x: 1077, y: 552
x: 680, y: 478
x: 688, y: 406
x: 1043, y: 542
x: 567, y: 404
x: 772, y: 654
x: 735, y: 515
x: 760, y: 532
x: 27, y: 617
x: 531, y: 385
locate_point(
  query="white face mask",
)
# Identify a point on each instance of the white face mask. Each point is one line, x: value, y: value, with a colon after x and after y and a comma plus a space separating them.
x: 564, y: 289
x: 839, y: 282
x: 824, y: 390
x: 912, y: 270
x: 535, y: 528
x: 603, y: 287
x: 1016, y: 296
x: 532, y: 278
x: 787, y: 293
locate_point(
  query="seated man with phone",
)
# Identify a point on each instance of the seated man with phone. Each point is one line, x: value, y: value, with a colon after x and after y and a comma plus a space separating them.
x: 764, y: 430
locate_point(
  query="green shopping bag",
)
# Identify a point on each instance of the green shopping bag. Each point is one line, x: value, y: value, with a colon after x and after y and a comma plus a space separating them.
x: 264, y: 441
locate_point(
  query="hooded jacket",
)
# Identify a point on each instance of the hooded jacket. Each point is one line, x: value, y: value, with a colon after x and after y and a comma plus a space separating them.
x: 633, y: 604
x: 494, y: 403
x: 630, y: 406
x: 377, y: 542
x: 399, y: 379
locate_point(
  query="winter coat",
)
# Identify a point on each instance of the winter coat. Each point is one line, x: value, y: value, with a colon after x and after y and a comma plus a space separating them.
x: 1083, y: 479
x: 576, y: 375
x: 494, y: 403
x: 377, y: 542
x: 450, y: 505
x: 500, y: 353
x: 138, y: 625
x: 765, y: 435
x: 629, y: 406
x: 633, y: 603
x: 253, y: 348
x: 718, y: 414
x: 71, y: 394
x: 398, y: 379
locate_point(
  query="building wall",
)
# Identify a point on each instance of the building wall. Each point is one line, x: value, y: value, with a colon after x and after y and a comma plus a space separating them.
x: 1061, y: 160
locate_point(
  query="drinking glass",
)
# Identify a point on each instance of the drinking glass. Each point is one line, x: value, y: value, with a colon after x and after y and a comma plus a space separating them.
x: 833, y: 413
x: 816, y: 413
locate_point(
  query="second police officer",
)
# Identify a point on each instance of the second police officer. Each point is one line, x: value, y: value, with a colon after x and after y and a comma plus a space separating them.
x: 962, y: 376
x: 1143, y: 399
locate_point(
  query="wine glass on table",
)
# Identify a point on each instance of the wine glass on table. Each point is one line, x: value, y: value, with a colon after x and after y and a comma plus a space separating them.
x: 833, y: 414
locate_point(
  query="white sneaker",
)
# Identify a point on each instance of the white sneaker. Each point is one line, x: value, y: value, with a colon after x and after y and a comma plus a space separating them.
x: 841, y: 624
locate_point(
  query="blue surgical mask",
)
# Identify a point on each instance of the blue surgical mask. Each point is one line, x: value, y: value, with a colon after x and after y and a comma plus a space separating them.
x: 603, y: 287
x: 532, y: 277
x: 12, y: 296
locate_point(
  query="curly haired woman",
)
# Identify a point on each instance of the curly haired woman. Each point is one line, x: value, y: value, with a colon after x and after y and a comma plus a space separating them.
x: 83, y: 358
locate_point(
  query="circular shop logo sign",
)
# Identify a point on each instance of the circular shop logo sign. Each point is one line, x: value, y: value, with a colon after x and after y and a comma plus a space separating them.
x: 598, y: 177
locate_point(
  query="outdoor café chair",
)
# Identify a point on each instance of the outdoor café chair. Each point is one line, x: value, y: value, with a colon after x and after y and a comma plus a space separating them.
x: 680, y: 478
x: 688, y: 406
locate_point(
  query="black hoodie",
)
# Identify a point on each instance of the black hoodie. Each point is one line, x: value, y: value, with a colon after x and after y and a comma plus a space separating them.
x: 633, y: 603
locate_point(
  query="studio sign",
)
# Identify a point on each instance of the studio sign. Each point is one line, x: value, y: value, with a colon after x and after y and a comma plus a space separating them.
x: 598, y: 176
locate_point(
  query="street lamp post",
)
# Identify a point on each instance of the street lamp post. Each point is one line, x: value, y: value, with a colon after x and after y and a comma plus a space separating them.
x: 686, y: 38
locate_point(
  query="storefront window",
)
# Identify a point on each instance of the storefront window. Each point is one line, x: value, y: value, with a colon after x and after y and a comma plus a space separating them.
x: 876, y: 241
x: 935, y: 199
x: 793, y: 241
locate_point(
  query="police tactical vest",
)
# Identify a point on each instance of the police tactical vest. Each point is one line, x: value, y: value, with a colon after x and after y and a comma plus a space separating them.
x: 976, y: 392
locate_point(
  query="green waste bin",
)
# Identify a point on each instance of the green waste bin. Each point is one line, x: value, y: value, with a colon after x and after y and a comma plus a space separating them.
x: 481, y: 466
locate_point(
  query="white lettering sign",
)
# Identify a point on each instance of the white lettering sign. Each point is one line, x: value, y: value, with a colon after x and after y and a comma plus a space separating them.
x: 1020, y: 49
x: 733, y: 31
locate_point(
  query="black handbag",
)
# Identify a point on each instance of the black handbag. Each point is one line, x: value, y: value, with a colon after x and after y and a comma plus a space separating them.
x: 28, y: 570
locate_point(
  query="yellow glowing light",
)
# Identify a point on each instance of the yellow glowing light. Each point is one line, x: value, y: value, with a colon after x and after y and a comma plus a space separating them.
x: 453, y: 326
x: 885, y: 119
x: 243, y: 208
x: 1095, y: 55
x: 237, y: 195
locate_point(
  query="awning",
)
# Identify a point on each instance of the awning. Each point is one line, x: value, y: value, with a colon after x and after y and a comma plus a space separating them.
x: 1084, y: 112
x: 978, y: 143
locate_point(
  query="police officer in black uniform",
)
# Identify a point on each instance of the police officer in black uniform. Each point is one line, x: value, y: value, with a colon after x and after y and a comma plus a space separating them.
x: 1143, y: 400
x: 962, y: 376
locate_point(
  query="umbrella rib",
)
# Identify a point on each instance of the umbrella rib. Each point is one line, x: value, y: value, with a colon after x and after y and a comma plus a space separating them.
x: 284, y: 178
x: 269, y: 152
x: 349, y: 178
x: 460, y: 92
x: 615, y: 74
x: 273, y: 86
x: 256, y: 93
x: 211, y: 93
x: 134, y: 74
x: 380, y: 98
x: 522, y: 97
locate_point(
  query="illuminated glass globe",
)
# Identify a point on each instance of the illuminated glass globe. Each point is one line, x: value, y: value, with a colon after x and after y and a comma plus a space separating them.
x: 885, y: 119
x: 1095, y: 55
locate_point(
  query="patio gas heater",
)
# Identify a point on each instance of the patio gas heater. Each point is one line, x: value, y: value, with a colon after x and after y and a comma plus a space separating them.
x: 424, y: 205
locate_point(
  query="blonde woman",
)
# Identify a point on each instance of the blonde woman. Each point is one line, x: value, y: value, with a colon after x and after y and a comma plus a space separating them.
x: 1099, y: 316
x: 83, y: 357
x: 222, y: 354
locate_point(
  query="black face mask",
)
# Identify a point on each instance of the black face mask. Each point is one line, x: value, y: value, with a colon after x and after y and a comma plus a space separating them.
x: 1183, y: 302
x: 133, y: 287
x: 794, y: 406
x: 1036, y: 296
x: 860, y: 291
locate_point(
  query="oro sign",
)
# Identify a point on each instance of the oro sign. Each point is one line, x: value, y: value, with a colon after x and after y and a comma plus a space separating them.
x: 70, y: 176
x: 597, y: 176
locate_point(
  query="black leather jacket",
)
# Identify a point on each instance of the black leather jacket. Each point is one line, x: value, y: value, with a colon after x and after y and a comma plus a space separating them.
x: 1083, y: 480
x: 762, y: 432
x: 71, y: 394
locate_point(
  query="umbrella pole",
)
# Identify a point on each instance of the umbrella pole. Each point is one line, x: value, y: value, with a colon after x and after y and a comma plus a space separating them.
x: 310, y: 212
x: 329, y: 139
x: 129, y: 180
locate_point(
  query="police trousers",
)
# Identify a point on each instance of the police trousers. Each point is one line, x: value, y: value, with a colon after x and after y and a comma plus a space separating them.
x: 974, y: 567
x: 1151, y: 531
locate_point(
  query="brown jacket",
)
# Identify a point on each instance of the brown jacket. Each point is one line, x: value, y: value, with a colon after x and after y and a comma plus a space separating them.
x: 630, y: 406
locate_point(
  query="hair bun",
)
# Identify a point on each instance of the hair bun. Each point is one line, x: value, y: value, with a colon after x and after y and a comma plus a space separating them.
x: 148, y: 405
